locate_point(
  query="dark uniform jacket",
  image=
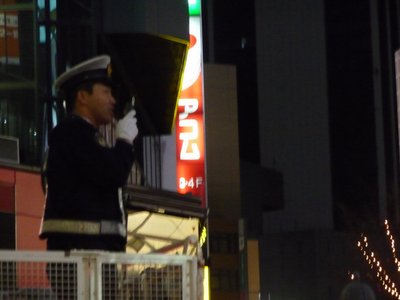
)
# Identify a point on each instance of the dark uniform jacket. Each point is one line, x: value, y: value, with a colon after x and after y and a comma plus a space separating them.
x: 83, y: 179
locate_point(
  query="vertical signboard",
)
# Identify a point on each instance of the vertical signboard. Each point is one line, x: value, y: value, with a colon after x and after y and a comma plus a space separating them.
x: 9, y: 39
x: 190, y: 122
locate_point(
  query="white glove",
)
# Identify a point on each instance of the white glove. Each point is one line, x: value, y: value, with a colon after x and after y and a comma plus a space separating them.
x: 126, y: 127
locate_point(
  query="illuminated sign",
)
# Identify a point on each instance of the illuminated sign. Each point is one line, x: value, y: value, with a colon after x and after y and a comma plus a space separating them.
x: 194, y: 7
x: 190, y: 122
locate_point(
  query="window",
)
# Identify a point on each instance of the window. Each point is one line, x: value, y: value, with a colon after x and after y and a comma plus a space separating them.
x: 34, y: 49
x: 224, y: 243
x: 224, y: 280
x: 20, y: 103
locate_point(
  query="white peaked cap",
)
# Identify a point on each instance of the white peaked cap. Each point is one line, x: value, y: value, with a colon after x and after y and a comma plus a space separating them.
x: 96, y: 68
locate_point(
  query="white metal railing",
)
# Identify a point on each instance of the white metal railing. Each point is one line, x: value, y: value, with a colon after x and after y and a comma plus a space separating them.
x: 97, y: 275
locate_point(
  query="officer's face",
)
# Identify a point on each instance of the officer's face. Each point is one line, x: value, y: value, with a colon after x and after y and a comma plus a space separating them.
x: 100, y: 104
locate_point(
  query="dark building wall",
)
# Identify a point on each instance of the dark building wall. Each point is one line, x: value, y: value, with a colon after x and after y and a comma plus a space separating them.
x: 327, y: 109
x: 326, y: 122
x: 293, y: 111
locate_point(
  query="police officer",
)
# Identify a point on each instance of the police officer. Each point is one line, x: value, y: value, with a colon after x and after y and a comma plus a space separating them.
x: 84, y: 209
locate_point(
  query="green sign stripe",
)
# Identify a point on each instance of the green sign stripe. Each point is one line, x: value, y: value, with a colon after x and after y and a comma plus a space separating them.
x: 194, y: 7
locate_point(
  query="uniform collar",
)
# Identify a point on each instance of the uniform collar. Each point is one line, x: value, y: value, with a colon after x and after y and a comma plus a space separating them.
x: 84, y: 119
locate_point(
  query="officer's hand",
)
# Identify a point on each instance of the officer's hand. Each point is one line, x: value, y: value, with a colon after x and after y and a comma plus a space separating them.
x: 127, y: 128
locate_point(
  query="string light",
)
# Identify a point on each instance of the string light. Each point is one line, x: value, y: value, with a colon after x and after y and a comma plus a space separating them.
x: 392, y: 244
x: 372, y: 260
